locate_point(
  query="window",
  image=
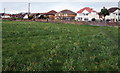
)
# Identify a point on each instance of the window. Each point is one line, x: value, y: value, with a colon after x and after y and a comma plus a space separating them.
x: 65, y: 14
x: 86, y: 14
x: 86, y: 19
x: 79, y: 18
x: 58, y: 14
x: 113, y: 13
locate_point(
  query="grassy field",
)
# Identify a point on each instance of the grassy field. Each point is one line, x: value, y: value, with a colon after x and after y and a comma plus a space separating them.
x: 36, y: 46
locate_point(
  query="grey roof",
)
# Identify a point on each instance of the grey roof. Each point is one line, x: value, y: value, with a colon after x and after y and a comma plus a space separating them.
x: 113, y: 9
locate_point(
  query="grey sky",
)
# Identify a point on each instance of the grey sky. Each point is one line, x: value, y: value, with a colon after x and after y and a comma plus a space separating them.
x: 59, y: 0
x: 17, y: 7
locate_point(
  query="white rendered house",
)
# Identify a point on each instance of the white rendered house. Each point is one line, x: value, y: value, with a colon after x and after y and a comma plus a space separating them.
x: 114, y: 15
x: 26, y: 16
x: 86, y: 14
x: 6, y: 16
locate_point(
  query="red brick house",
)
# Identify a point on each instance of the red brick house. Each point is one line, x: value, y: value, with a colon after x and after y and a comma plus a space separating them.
x: 50, y: 15
x: 65, y: 15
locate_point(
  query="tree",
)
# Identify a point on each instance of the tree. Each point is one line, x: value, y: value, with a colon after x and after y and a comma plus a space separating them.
x: 93, y: 19
x: 30, y: 17
x: 41, y: 17
x: 104, y: 12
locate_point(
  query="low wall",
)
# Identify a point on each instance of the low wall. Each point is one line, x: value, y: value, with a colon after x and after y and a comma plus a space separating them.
x: 104, y: 23
x: 97, y: 23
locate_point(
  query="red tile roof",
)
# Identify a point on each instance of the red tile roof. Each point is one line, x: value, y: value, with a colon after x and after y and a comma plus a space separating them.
x: 86, y: 8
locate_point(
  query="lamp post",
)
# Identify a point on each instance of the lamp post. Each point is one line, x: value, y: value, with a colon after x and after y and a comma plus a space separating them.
x: 4, y: 12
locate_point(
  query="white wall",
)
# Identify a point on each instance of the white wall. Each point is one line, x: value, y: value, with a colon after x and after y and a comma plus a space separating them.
x: 114, y: 15
x: 25, y: 17
x: 93, y: 15
x: 6, y: 16
x: 90, y: 16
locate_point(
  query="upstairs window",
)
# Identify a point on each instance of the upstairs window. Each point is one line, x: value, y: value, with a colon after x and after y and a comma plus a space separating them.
x: 65, y: 14
x: 87, y: 14
x: 58, y: 14
x: 86, y: 19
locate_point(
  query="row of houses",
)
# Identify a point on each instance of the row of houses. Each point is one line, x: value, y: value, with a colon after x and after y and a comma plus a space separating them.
x: 84, y: 14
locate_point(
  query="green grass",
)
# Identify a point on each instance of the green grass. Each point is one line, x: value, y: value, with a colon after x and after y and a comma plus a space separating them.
x: 36, y: 46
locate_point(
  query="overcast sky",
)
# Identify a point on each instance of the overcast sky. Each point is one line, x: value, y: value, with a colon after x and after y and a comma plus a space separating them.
x: 59, y: 0
x: 17, y: 7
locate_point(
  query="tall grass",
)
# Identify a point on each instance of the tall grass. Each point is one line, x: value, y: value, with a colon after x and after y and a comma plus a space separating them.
x: 36, y: 46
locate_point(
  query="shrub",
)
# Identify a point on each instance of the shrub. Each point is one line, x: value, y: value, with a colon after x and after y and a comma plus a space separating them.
x: 30, y: 17
x: 16, y: 18
x: 108, y: 20
x: 93, y: 19
x: 13, y: 18
x: 44, y: 17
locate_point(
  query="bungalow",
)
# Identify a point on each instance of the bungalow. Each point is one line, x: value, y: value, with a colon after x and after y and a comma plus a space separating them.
x: 114, y: 14
x: 65, y: 15
x: 87, y: 14
x: 51, y: 14
x: 26, y: 16
x: 41, y: 16
x: 5, y: 15
x: 18, y: 16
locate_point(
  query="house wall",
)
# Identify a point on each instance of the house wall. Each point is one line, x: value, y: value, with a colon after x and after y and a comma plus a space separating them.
x: 86, y: 16
x: 64, y: 16
x: 58, y: 15
x: 25, y: 17
x: 5, y: 16
x: 115, y: 16
x: 111, y: 17
x: 93, y: 15
x: 51, y: 17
